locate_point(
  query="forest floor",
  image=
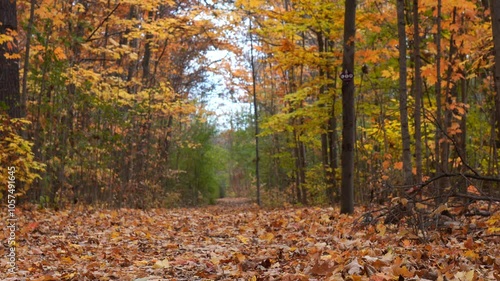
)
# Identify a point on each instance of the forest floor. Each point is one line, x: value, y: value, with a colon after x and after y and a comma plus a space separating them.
x: 235, y: 240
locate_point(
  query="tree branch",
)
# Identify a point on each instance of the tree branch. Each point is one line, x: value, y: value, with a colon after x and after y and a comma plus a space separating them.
x: 102, y: 22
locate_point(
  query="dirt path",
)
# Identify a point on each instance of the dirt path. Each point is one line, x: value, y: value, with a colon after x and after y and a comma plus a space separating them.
x: 235, y: 202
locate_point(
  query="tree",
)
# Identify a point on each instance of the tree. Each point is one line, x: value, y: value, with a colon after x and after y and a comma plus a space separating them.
x: 418, y: 92
x: 255, y: 113
x: 403, y: 95
x: 9, y: 59
x: 348, y: 117
x: 495, y: 26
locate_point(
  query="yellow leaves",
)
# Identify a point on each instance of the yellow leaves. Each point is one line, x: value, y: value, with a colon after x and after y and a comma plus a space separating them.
x: 240, y: 257
x: 493, y: 223
x: 439, y: 210
x: 243, y: 239
x: 268, y: 236
x: 115, y: 235
x: 133, y: 56
x: 250, y: 5
x: 113, y: 42
x: 80, y: 8
x: 465, y: 275
x: 390, y: 73
x: 5, y: 38
x: 12, y: 56
x: 161, y: 264
x: 381, y: 228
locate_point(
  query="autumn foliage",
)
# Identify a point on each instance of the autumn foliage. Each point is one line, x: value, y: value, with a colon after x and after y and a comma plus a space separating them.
x: 243, y: 242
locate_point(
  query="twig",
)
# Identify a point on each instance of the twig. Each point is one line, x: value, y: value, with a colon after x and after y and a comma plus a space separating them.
x: 102, y: 22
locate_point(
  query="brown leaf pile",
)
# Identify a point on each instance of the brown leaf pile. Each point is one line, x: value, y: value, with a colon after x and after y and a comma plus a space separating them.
x: 241, y: 243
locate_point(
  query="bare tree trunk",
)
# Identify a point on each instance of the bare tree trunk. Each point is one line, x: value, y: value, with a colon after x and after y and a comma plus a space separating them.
x: 256, y: 116
x: 332, y: 144
x: 10, y: 95
x: 146, y: 72
x: 134, y: 44
x: 29, y: 32
x: 403, y: 93
x: 441, y: 149
x: 348, y: 116
x: 495, y: 26
x: 418, y: 93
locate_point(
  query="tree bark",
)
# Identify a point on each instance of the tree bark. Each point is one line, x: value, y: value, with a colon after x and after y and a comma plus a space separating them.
x: 441, y: 153
x: 403, y: 94
x: 10, y: 96
x: 495, y: 26
x: 418, y: 94
x: 348, y: 117
x: 255, y: 115
x: 29, y: 32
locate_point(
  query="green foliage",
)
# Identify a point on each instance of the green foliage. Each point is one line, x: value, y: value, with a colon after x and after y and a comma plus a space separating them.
x: 200, y: 163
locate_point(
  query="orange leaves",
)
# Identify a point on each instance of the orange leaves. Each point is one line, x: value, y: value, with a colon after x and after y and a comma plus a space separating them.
x: 234, y: 243
x: 286, y: 46
x: 429, y: 73
x: 59, y: 53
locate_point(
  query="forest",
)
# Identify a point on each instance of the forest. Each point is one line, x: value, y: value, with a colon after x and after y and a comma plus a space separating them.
x: 344, y: 122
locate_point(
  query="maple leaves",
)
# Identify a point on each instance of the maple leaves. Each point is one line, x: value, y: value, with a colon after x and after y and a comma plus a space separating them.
x: 221, y: 243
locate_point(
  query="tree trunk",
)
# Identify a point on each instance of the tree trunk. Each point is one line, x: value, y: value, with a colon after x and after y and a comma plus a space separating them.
x: 134, y: 44
x: 418, y: 94
x: 403, y: 95
x: 255, y: 116
x: 10, y: 96
x: 332, y: 144
x: 326, y: 135
x: 29, y: 32
x: 348, y: 117
x: 495, y: 26
x: 440, y: 151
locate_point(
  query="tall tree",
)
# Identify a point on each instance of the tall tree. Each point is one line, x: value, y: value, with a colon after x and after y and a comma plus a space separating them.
x: 9, y: 59
x: 418, y: 92
x: 403, y: 95
x: 495, y: 26
x: 29, y: 33
x: 256, y: 114
x: 348, y: 117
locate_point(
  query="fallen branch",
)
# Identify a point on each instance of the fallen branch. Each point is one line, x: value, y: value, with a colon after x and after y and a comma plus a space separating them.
x: 418, y: 187
x: 475, y: 197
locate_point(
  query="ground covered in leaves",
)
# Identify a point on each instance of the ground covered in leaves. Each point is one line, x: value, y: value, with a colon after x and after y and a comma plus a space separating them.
x: 242, y: 242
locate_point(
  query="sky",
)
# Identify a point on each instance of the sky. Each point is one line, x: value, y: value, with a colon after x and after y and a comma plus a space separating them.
x: 219, y: 101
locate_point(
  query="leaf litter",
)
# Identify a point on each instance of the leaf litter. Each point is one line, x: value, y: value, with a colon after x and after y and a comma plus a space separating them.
x: 241, y: 242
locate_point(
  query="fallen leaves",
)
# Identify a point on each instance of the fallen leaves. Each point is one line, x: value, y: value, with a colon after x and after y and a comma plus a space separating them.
x: 240, y: 243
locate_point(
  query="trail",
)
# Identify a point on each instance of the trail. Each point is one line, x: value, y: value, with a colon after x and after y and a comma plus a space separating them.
x: 235, y: 240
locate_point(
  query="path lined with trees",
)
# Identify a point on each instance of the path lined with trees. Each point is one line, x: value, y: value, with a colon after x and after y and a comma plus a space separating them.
x: 113, y: 101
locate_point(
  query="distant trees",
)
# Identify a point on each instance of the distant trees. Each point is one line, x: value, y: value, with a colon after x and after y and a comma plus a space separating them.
x: 446, y: 68
x: 115, y: 97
